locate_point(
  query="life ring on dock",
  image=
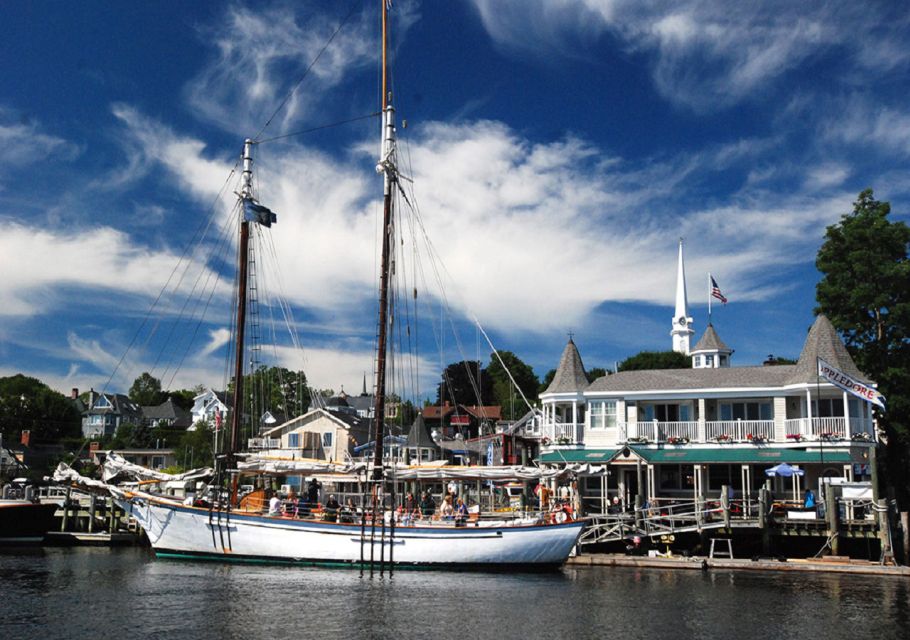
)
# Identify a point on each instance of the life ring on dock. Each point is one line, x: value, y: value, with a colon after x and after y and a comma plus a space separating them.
x: 558, y: 517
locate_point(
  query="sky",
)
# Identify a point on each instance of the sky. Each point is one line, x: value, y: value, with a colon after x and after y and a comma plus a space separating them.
x: 556, y: 151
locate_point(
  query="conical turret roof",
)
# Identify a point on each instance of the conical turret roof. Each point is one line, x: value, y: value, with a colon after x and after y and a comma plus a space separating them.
x: 710, y: 341
x: 570, y: 374
x: 823, y: 342
x: 419, y: 436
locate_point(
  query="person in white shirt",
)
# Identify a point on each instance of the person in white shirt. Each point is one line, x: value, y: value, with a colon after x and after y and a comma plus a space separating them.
x: 275, y: 505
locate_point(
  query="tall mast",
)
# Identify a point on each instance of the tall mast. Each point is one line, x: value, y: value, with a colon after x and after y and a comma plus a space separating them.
x: 246, y: 193
x: 388, y: 169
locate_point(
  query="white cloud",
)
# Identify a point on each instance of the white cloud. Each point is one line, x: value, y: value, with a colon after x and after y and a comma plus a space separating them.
x: 24, y: 143
x: 706, y: 54
x: 40, y: 266
x: 262, y: 52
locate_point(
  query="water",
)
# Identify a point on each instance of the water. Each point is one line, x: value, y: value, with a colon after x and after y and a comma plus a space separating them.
x: 100, y: 593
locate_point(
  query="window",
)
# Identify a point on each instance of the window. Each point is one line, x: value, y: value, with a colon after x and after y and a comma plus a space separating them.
x: 709, y: 361
x: 697, y: 361
x: 828, y: 408
x: 745, y: 411
x: 667, y: 412
x: 723, y: 360
x: 293, y: 440
x: 327, y: 439
x: 603, y: 414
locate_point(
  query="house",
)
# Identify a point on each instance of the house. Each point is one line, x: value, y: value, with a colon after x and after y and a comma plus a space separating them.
x: 458, y: 419
x: 105, y: 412
x: 210, y: 407
x: 322, y: 434
x: 686, y: 433
x: 167, y: 414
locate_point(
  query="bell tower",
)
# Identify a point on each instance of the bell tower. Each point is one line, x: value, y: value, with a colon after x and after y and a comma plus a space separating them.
x: 681, y: 328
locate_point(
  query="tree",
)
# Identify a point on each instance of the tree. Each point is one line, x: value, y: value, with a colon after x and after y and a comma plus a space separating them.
x: 183, y: 398
x: 547, y: 379
x: 595, y: 373
x: 865, y: 292
x: 655, y: 360
x: 462, y: 383
x: 29, y: 404
x: 504, y: 392
x: 196, y: 448
x: 146, y: 391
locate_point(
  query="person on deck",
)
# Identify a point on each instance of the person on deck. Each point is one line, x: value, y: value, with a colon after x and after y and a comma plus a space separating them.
x: 544, y: 495
x: 427, y: 505
x: 809, y: 499
x: 348, y: 511
x: 331, y: 509
x: 446, y: 508
x: 274, y: 505
x: 461, y: 513
x: 312, y: 493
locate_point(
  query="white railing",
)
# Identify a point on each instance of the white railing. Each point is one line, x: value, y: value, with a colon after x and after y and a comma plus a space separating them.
x: 563, y: 432
x: 816, y: 428
x: 739, y: 430
x: 263, y: 443
x: 655, y: 431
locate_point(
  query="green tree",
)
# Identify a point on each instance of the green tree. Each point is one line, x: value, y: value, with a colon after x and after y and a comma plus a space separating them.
x: 865, y: 292
x: 183, y: 398
x: 28, y: 404
x: 465, y: 382
x: 547, y: 379
x: 504, y: 393
x: 196, y: 448
x: 146, y: 391
x: 595, y: 373
x: 655, y: 360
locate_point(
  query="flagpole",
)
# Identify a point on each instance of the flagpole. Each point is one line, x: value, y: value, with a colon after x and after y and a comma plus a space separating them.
x: 709, y: 297
x: 818, y: 407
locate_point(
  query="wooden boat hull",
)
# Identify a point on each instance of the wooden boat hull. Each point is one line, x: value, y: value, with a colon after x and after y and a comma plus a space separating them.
x: 22, y: 521
x: 194, y: 532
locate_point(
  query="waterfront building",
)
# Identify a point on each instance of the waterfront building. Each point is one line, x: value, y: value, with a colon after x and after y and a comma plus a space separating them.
x: 687, y: 433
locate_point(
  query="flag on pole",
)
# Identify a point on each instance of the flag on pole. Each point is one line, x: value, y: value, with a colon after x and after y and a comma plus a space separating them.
x: 850, y: 384
x: 715, y: 291
x: 253, y: 212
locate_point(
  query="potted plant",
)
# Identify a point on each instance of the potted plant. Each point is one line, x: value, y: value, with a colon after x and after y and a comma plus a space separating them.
x: 723, y: 437
x: 563, y: 440
x: 677, y: 440
x: 795, y: 437
x: 756, y: 438
x: 860, y: 435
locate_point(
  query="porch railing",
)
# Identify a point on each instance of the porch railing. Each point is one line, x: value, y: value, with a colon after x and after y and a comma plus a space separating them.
x: 563, y: 432
x: 655, y: 431
x: 832, y: 427
x: 263, y: 443
x: 739, y: 430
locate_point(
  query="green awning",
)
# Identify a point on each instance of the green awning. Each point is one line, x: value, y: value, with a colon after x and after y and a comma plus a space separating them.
x: 716, y: 455
x: 574, y: 456
x: 741, y: 455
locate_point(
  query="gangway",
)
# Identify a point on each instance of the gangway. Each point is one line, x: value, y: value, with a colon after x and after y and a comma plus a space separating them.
x: 653, y: 521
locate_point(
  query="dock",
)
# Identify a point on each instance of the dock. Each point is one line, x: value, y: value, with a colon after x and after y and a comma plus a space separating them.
x: 696, y: 563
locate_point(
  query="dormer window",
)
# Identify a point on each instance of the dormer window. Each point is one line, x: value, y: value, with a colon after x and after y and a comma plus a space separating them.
x: 709, y: 361
x: 697, y: 362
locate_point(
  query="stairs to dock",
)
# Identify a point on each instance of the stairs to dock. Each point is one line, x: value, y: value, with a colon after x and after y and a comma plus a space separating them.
x: 653, y: 522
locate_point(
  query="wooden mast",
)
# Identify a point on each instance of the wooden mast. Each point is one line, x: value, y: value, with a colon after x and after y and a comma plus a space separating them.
x: 243, y: 259
x: 387, y: 167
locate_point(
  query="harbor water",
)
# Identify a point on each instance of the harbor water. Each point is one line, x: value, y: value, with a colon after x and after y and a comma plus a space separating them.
x: 94, y: 593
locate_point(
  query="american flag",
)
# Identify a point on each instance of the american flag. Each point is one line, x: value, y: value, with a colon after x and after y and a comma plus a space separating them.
x: 715, y: 291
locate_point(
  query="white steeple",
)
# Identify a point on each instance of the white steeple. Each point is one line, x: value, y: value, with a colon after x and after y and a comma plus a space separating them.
x: 681, y: 330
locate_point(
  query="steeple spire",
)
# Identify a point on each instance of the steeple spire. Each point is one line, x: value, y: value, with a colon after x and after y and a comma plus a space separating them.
x: 681, y: 326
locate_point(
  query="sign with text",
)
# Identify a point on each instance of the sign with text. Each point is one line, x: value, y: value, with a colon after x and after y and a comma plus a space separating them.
x: 850, y: 384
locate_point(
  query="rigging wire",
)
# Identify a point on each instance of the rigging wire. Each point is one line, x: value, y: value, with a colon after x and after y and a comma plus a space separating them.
x: 322, y: 127
x: 309, y: 68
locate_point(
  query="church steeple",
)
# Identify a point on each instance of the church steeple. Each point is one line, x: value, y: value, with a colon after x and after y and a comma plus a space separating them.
x: 681, y: 327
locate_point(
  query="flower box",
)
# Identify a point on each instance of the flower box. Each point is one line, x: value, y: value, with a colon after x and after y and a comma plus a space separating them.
x: 677, y: 440
x: 795, y: 437
x: 637, y: 440
x: 756, y: 438
x: 861, y: 435
x: 723, y: 437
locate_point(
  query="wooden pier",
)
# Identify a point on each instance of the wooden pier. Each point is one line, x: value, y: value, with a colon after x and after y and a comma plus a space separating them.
x: 87, y: 519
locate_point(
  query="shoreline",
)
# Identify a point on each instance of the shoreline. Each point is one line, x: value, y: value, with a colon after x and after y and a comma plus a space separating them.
x: 701, y: 563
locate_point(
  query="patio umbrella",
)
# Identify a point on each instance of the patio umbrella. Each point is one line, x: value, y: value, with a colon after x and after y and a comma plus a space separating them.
x: 784, y: 470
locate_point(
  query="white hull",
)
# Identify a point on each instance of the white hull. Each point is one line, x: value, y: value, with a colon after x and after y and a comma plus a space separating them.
x: 182, y: 531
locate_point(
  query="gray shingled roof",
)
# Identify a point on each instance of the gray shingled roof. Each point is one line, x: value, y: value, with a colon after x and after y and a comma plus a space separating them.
x: 823, y: 342
x: 570, y: 374
x: 710, y: 342
x: 419, y: 435
x: 679, y: 379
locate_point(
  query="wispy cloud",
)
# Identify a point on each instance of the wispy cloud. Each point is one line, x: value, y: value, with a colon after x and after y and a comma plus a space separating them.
x: 707, y: 54
x: 24, y: 142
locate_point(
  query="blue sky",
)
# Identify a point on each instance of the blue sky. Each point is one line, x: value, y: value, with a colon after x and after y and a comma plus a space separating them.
x: 558, y: 149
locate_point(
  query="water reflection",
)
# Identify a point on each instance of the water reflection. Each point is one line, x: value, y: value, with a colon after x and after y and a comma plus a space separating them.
x: 87, y: 593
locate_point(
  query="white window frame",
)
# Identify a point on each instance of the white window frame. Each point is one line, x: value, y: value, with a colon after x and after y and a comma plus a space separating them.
x: 603, y: 414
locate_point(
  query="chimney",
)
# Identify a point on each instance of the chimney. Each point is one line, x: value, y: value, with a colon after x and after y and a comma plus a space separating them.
x: 91, y: 398
x: 74, y: 393
x: 26, y: 436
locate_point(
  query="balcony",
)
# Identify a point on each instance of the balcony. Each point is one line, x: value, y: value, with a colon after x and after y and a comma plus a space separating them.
x: 661, y: 431
x: 739, y: 430
x: 258, y: 444
x: 563, y: 432
x: 828, y: 429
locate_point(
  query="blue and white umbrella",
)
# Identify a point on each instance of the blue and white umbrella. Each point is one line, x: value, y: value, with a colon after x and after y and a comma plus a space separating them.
x: 784, y: 470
